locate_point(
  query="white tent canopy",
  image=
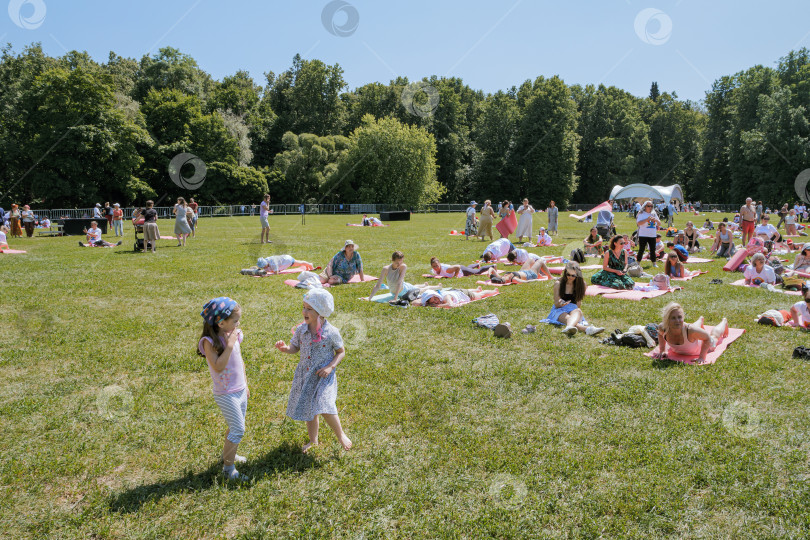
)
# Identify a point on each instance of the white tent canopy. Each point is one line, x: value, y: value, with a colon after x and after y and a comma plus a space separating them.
x: 643, y: 191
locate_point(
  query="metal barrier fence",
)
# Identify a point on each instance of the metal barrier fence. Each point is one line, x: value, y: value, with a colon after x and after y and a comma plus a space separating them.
x: 295, y: 209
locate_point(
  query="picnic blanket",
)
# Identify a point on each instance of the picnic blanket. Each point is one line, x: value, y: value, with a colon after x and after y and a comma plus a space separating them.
x: 507, y: 225
x: 741, y: 283
x: 604, y: 206
x: 355, y: 279
x: 711, y: 358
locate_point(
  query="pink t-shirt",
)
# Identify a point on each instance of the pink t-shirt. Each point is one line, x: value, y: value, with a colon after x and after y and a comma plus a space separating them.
x: 232, y: 378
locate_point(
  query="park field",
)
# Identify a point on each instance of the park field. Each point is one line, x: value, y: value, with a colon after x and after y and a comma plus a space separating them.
x: 110, y: 430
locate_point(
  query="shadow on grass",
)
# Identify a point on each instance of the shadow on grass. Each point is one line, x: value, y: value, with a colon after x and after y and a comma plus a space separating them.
x: 284, y: 458
x: 665, y: 363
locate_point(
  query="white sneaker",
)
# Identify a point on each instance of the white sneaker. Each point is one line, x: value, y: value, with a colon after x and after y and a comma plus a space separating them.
x: 569, y: 331
x: 593, y: 330
x: 654, y: 265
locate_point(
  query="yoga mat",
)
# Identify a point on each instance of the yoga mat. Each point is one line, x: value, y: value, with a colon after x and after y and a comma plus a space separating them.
x: 711, y: 358
x: 699, y: 273
x: 168, y: 238
x: 735, y: 261
x: 741, y: 283
x: 507, y: 225
x: 637, y: 295
x: 604, y: 206
x: 434, y: 276
x: 95, y: 246
x: 291, y: 270
x: 698, y: 260
x: 471, y: 301
x: 596, y: 290
x: 380, y: 298
x: 491, y: 284
x: 530, y: 245
x: 361, y: 225
x: 560, y: 269
x: 12, y: 251
x: 355, y: 279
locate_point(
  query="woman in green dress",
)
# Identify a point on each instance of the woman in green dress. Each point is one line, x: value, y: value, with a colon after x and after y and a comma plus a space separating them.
x: 614, y: 267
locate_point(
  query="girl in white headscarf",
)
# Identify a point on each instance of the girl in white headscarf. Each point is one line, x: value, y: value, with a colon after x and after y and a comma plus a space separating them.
x: 314, y: 386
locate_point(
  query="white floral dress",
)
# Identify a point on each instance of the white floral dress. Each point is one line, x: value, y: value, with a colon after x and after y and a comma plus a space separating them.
x: 310, y: 394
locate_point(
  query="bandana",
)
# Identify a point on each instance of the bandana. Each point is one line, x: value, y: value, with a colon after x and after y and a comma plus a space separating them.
x: 218, y: 309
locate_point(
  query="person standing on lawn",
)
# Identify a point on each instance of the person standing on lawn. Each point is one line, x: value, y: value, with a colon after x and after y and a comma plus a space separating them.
x: 264, y: 211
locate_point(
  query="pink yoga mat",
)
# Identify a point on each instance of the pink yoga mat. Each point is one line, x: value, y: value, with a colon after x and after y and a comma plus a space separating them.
x: 604, y: 206
x: 560, y: 269
x: 507, y: 225
x: 693, y: 276
x: 741, y: 283
x: 637, y: 295
x: 491, y: 284
x: 12, y: 251
x: 698, y: 260
x: 355, y: 279
x: 168, y: 238
x: 711, y: 358
x: 735, y: 261
x: 290, y: 270
x: 471, y: 301
x: 596, y: 290
x: 361, y: 225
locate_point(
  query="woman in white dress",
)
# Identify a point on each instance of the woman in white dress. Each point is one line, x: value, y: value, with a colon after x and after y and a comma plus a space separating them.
x: 524, y: 227
x: 181, y: 227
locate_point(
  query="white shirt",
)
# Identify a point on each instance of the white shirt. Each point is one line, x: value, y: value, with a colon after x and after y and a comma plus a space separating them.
x: 499, y: 248
x: 96, y: 212
x: 604, y: 218
x: 544, y: 240
x: 94, y: 233
x: 801, y: 307
x: 443, y: 272
x: 768, y: 230
x: 650, y: 229
x: 758, y: 278
x: 521, y: 256
x: 3, y: 241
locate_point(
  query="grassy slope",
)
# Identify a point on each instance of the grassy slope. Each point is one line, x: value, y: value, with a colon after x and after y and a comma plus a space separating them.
x: 110, y: 429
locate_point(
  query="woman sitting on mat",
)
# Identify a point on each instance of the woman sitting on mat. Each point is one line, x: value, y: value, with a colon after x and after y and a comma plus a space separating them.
x: 691, y: 236
x: 344, y: 266
x: 687, y: 339
x: 802, y: 262
x: 758, y: 273
x: 569, y: 290
x: 674, y: 268
x: 614, y: 267
x: 393, y: 275
x: 593, y: 243
x: 723, y: 242
x: 453, y: 270
x: 451, y: 297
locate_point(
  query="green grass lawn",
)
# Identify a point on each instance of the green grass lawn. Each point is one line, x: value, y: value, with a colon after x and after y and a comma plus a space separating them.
x: 110, y: 430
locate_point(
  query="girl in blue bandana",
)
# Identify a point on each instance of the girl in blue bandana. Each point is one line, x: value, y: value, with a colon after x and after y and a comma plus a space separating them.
x: 220, y: 345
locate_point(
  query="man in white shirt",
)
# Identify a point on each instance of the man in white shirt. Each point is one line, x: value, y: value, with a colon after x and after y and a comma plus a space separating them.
x: 94, y: 237
x: 497, y: 249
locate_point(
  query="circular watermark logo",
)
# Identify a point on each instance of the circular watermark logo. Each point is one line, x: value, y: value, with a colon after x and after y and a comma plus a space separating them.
x: 420, y: 99
x: 27, y: 14
x: 340, y: 18
x: 32, y: 324
x: 114, y: 402
x: 653, y: 26
x: 741, y: 419
x: 507, y: 491
x: 352, y: 329
x: 193, y: 182
x: 801, y: 185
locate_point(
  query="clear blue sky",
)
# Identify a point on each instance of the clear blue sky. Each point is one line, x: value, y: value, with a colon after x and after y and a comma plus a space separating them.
x: 685, y: 44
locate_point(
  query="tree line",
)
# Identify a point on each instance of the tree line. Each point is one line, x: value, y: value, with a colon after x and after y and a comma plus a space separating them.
x: 75, y: 131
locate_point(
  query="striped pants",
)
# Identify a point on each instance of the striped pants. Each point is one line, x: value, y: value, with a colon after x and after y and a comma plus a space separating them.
x: 234, y: 409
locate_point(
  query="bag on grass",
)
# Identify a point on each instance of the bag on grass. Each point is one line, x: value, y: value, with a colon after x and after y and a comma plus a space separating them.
x: 578, y: 255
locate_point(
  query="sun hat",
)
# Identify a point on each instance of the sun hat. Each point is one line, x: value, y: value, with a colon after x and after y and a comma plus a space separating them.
x: 321, y: 301
x: 473, y: 203
x: 118, y: 205
x: 350, y: 243
x: 98, y: 205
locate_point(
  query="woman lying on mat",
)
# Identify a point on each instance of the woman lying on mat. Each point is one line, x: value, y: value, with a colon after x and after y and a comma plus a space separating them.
x: 593, y: 243
x: 451, y: 297
x: 759, y: 273
x: 569, y: 291
x: 531, y: 270
x: 453, y: 270
x: 674, y: 268
x: 687, y: 339
x: 614, y: 267
x: 279, y: 263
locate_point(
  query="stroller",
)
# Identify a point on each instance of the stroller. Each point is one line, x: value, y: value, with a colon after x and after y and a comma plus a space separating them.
x: 140, y: 245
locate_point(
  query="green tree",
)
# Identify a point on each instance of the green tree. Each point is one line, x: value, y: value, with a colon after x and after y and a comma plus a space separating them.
x: 236, y: 93
x: 387, y: 163
x: 494, y: 136
x: 169, y: 69
x: 306, y: 163
x: 546, y: 144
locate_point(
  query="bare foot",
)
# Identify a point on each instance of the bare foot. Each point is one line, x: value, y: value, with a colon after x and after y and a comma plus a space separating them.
x: 307, y: 446
x: 345, y: 442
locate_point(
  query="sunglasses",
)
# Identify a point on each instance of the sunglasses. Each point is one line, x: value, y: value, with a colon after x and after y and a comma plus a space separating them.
x: 571, y: 275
